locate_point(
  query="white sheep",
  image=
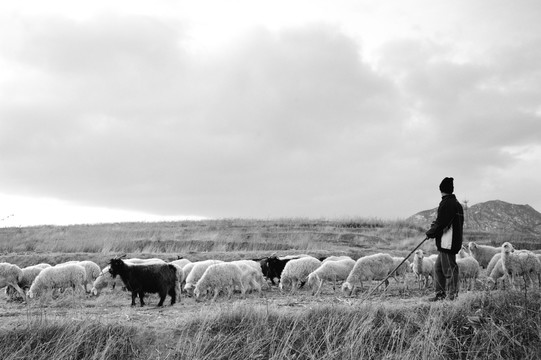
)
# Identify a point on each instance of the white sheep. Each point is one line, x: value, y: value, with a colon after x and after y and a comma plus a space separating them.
x: 92, y: 272
x: 368, y: 268
x: 252, y: 263
x: 296, y: 271
x: 197, y: 270
x: 468, y: 269
x: 519, y: 262
x: 252, y: 276
x: 58, y: 277
x: 180, y: 279
x: 12, y: 275
x: 29, y: 273
x: 333, y: 270
x: 496, y: 272
x: 492, y: 263
x: 188, y: 268
x: 483, y: 253
x: 105, y: 279
x: 423, y: 268
x: 224, y: 276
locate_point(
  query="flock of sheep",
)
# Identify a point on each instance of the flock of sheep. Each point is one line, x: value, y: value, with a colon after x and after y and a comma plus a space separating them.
x: 209, y: 278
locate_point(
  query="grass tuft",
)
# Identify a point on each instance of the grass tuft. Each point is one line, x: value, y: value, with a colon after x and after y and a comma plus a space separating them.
x: 45, y: 339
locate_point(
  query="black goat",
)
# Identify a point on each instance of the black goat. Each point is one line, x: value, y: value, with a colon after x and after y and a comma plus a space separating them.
x: 272, y: 267
x: 141, y: 279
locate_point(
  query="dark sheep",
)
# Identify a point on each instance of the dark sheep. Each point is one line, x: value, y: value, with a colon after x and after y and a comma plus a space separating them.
x: 272, y: 267
x: 151, y: 278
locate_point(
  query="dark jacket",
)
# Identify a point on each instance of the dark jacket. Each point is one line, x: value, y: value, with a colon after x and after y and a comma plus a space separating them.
x: 449, y: 211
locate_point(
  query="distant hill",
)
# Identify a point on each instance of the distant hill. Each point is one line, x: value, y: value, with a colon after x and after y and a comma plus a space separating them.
x: 493, y: 216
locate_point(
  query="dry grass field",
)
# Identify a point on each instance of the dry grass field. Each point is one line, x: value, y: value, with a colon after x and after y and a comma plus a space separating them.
x: 394, y: 324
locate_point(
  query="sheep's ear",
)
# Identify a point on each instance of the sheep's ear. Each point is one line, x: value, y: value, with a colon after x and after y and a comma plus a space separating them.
x: 123, y: 256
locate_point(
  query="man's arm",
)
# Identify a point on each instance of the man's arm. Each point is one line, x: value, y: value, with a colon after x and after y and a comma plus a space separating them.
x: 446, y: 211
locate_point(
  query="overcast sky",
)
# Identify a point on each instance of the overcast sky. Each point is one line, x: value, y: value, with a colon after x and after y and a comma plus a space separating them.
x: 136, y: 110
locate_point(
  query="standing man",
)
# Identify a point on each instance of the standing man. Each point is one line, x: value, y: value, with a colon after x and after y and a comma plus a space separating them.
x: 447, y: 230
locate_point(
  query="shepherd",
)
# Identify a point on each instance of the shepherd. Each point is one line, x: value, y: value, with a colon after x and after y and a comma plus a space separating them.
x: 447, y: 230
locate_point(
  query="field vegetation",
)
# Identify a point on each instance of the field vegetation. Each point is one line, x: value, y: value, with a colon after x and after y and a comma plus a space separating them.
x: 396, y: 324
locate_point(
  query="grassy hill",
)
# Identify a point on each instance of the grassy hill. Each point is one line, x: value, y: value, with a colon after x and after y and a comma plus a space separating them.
x: 225, y: 239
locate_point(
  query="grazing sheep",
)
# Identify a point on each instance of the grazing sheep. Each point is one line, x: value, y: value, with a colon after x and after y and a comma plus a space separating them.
x: 423, y: 268
x: 519, y: 262
x: 141, y: 279
x: 180, y: 279
x: 252, y: 275
x: 105, y: 279
x: 468, y: 269
x: 92, y: 272
x: 220, y: 277
x: 496, y: 273
x: 483, y: 253
x: 492, y: 263
x: 368, y: 268
x: 29, y: 274
x: 252, y: 263
x: 195, y: 273
x: 188, y: 268
x: 272, y: 267
x: 297, y: 271
x: 331, y: 270
x: 11, y: 275
x: 58, y: 277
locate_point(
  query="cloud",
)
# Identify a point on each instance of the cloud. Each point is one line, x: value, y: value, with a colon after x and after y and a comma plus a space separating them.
x: 471, y: 110
x: 119, y: 112
x: 141, y: 123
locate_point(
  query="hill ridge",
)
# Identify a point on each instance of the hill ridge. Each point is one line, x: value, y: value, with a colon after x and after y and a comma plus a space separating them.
x: 492, y: 216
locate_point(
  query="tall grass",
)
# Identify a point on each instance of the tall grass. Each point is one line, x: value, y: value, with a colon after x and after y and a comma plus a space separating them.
x: 478, y: 326
x: 62, y: 339
x: 481, y: 325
